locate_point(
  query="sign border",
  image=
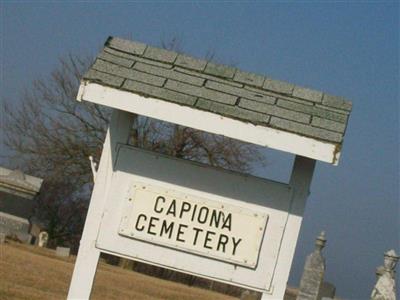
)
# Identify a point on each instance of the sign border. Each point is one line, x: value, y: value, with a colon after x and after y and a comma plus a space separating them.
x: 258, y: 279
x: 130, y: 204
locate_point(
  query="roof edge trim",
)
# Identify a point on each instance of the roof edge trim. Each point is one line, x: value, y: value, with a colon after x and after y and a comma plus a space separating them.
x: 210, y: 122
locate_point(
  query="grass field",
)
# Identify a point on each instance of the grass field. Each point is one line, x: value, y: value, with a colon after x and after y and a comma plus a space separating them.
x: 32, y: 273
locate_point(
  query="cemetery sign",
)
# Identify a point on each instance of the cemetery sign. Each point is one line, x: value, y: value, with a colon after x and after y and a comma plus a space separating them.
x: 190, y: 217
x: 193, y: 224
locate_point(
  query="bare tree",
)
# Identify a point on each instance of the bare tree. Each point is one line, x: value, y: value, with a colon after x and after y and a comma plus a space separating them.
x: 51, y: 135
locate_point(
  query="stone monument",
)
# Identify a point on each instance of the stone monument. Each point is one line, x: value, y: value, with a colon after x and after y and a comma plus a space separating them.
x: 313, y: 274
x: 385, y: 287
x: 43, y: 238
x: 17, y: 192
x: 63, y: 251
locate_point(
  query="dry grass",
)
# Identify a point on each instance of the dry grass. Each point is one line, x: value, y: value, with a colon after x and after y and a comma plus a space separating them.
x: 31, y: 273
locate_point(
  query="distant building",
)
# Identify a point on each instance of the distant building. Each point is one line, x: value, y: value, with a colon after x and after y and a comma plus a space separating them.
x: 17, y: 192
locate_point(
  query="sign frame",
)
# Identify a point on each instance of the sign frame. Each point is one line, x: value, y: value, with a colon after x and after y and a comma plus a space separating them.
x: 185, y: 222
x: 89, y: 251
x: 267, y: 197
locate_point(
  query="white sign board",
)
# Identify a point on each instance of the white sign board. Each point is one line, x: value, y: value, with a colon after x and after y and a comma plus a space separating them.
x: 193, y: 224
x: 193, y: 218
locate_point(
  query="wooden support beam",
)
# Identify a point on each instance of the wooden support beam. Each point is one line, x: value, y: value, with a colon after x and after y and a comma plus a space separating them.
x: 88, y: 255
x: 300, y: 183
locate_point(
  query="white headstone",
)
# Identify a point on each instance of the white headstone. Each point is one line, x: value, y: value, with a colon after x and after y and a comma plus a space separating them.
x: 43, y: 238
x: 385, y: 287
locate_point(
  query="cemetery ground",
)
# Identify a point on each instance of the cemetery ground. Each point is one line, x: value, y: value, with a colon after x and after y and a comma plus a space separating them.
x: 29, y: 272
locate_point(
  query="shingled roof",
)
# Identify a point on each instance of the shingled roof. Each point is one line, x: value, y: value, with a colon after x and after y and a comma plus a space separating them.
x: 224, y: 90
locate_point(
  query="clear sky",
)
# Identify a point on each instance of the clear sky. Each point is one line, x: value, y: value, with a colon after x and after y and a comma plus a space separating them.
x: 349, y: 49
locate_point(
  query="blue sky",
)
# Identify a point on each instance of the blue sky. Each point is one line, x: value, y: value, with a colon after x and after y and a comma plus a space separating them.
x: 349, y: 49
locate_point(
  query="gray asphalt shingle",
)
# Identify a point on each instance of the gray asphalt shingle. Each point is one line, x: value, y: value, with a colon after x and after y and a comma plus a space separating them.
x: 220, y: 89
x: 157, y: 92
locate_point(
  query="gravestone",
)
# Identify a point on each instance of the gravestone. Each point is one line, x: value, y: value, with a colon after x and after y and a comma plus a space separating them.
x: 313, y: 274
x: 63, y: 251
x: 385, y: 287
x: 15, y: 226
x: 17, y: 192
x: 43, y: 238
x: 36, y: 228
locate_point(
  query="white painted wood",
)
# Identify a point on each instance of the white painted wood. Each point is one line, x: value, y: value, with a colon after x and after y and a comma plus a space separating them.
x: 88, y: 255
x: 122, y: 167
x: 93, y: 166
x: 210, y: 122
x: 300, y: 183
x: 135, y: 166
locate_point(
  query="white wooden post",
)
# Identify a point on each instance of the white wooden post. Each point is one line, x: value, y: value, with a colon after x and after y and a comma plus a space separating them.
x: 300, y: 182
x: 88, y: 255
